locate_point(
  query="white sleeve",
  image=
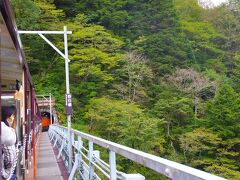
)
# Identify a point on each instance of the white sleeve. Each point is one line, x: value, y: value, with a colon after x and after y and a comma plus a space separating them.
x: 8, y: 135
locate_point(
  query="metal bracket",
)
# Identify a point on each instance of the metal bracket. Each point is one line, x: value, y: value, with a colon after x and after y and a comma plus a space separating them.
x: 60, y: 151
x: 40, y: 33
x: 55, y: 142
x: 52, y: 136
x: 53, y: 46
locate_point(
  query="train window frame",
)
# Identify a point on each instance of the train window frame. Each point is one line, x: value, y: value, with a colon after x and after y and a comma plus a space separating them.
x: 7, y: 99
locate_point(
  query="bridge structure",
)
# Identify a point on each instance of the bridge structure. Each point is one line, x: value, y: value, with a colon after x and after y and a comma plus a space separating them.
x: 95, y: 158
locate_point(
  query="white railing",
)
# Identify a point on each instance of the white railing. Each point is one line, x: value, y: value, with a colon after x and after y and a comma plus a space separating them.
x: 88, y: 164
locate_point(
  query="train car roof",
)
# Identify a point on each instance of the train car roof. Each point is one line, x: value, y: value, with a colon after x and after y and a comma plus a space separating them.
x: 12, y: 55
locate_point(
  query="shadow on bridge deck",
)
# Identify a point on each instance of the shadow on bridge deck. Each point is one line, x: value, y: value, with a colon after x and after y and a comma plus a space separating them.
x: 48, y: 167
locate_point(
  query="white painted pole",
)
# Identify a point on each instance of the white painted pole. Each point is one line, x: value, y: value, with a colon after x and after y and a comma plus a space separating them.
x: 68, y: 92
x: 50, y: 107
x: 90, y: 156
x: 113, y: 166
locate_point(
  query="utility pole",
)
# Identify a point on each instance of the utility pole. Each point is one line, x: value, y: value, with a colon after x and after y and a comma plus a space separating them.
x: 68, y: 100
x: 68, y: 96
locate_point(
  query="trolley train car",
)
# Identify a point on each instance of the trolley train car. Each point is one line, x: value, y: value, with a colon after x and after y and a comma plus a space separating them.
x: 17, y: 91
x: 47, y: 110
x: 45, y: 120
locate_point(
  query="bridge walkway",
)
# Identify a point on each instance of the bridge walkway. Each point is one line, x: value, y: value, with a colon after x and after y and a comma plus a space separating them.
x: 48, y: 167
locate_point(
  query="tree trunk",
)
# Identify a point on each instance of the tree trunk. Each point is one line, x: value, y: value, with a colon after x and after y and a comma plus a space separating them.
x: 195, y: 106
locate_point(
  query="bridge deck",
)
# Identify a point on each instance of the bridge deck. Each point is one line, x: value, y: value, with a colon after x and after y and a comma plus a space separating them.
x: 48, y: 167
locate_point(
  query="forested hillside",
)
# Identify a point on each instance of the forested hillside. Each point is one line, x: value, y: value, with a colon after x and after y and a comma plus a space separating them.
x: 162, y: 76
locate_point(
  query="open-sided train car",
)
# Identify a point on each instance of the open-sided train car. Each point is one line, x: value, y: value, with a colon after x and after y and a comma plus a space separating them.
x: 47, y: 110
x: 45, y: 120
x: 17, y: 90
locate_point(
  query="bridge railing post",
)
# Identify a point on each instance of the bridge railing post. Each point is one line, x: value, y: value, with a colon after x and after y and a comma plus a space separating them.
x: 61, y: 148
x: 112, y: 163
x: 80, y: 144
x: 90, y: 156
x: 72, y: 143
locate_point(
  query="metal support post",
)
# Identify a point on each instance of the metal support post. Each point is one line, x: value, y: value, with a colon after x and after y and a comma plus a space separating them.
x: 1, y: 156
x: 68, y: 92
x: 90, y: 156
x: 29, y: 134
x: 112, y: 163
x: 50, y: 107
x: 80, y: 144
x: 73, y: 138
x: 18, y: 117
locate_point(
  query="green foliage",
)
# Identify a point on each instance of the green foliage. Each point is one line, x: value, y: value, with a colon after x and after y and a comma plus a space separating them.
x: 132, y: 18
x: 125, y: 123
x: 132, y: 78
x: 223, y: 171
x: 166, y: 50
x: 95, y: 53
x: 199, y: 142
x: 50, y: 16
x: 27, y: 13
x: 203, y: 39
x: 188, y: 10
x: 176, y: 110
x: 176, y: 115
x: 223, y: 113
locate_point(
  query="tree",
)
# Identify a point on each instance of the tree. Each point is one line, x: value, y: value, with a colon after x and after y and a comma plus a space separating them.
x: 204, y: 41
x: 198, y: 143
x: 175, y: 113
x: 223, y: 171
x: 223, y: 113
x: 95, y: 53
x: 189, y: 10
x: 165, y: 50
x: 192, y: 82
x: 50, y: 15
x: 26, y: 13
x: 124, y: 123
x: 228, y: 26
x: 134, y: 74
x: 225, y: 19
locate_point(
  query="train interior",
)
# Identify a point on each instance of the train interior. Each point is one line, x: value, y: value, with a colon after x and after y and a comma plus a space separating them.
x: 11, y: 67
x: 15, y: 83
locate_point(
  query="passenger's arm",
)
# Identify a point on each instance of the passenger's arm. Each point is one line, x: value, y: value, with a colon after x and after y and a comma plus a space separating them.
x: 8, y: 135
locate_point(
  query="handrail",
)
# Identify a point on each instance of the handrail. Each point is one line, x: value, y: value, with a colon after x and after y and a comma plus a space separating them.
x: 170, y: 169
